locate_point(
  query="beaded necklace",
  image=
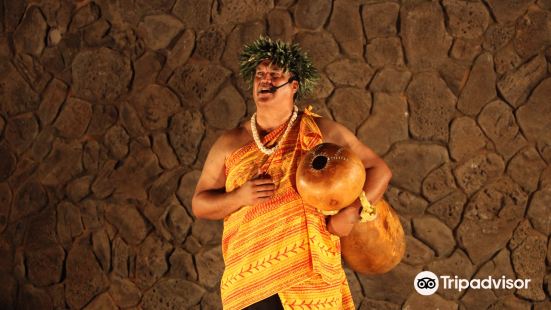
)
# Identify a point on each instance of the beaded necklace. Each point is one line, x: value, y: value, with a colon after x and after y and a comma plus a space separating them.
x: 256, y: 138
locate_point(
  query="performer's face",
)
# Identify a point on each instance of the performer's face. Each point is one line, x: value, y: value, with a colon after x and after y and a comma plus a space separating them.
x: 268, y: 75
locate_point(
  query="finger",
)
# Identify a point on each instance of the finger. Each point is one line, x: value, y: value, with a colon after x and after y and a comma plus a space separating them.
x: 263, y: 181
x: 264, y: 187
x: 267, y: 193
x: 264, y: 194
x: 351, y: 210
x: 351, y: 215
x: 346, y: 215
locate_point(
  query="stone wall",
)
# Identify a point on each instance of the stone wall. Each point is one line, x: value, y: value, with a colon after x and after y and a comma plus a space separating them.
x: 109, y: 107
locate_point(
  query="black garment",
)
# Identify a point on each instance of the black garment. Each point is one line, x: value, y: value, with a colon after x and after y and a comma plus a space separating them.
x: 270, y: 303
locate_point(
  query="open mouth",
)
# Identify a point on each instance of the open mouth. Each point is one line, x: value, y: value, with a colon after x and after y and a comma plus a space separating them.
x: 265, y: 90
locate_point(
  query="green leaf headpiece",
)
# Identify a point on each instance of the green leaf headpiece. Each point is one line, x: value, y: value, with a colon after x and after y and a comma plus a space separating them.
x: 287, y: 56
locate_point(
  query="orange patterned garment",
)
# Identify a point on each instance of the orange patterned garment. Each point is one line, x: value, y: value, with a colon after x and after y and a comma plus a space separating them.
x: 281, y: 246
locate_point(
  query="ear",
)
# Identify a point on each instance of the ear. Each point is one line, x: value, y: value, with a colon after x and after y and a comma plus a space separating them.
x: 294, y: 86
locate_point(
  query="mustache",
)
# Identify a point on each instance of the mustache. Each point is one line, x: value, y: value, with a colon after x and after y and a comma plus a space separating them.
x: 272, y: 88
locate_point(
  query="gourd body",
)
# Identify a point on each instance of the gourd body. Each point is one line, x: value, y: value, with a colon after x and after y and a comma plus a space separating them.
x: 377, y: 246
x: 330, y: 177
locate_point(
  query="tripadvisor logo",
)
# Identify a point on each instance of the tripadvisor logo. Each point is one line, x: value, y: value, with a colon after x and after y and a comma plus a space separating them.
x: 427, y: 283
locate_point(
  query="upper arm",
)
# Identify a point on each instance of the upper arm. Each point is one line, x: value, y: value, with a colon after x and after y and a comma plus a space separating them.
x: 334, y: 132
x: 213, y: 175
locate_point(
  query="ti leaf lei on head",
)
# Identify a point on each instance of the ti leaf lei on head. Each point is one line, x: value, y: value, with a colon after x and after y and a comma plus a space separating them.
x: 288, y: 57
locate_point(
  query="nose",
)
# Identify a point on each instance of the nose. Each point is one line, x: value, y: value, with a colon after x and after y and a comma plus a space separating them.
x: 266, y: 77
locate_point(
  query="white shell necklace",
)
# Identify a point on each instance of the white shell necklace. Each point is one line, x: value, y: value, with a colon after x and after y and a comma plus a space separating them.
x: 263, y: 149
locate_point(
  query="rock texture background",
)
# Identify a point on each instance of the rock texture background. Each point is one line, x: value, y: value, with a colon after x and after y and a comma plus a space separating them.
x: 109, y: 107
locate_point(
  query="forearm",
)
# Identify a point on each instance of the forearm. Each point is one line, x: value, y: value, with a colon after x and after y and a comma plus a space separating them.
x: 341, y: 224
x: 214, y: 204
x: 376, y: 182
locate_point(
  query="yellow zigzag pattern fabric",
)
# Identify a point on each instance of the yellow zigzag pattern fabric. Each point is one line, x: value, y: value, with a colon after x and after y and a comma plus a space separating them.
x: 281, y: 246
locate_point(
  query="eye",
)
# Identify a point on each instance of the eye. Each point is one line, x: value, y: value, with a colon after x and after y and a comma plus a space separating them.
x: 276, y: 75
x: 259, y: 75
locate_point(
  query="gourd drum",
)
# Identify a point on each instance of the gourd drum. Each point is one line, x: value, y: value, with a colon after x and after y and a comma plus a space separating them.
x: 331, y: 177
x: 377, y: 246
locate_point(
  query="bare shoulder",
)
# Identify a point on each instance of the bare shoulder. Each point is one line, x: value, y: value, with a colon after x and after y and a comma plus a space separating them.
x: 213, y: 175
x: 231, y: 140
x: 334, y: 132
x: 337, y: 133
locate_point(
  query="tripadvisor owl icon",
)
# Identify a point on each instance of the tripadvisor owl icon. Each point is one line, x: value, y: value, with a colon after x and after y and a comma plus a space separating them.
x: 426, y: 283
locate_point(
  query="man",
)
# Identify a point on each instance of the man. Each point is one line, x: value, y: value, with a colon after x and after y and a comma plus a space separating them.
x: 278, y: 251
